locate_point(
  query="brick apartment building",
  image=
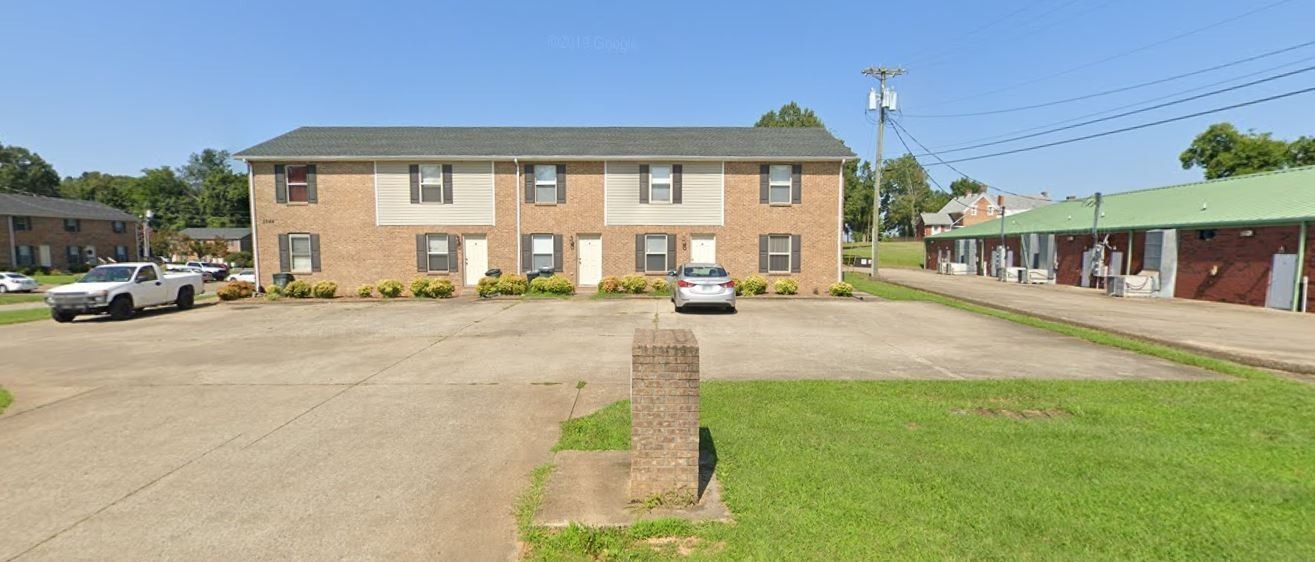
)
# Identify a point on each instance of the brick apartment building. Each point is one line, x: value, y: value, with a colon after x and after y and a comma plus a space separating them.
x: 359, y: 204
x: 1241, y: 240
x: 975, y: 208
x: 63, y: 233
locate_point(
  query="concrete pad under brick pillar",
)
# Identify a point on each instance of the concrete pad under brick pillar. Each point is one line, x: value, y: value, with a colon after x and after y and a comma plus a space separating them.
x: 664, y: 415
x: 589, y: 488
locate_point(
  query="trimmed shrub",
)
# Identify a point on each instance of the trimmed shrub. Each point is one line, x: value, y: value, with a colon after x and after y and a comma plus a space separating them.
x: 365, y: 291
x: 785, y: 287
x: 441, y: 288
x: 487, y: 287
x: 274, y: 290
x: 661, y: 287
x: 512, y: 285
x: 555, y: 285
x: 420, y: 288
x: 739, y: 286
x: 753, y: 285
x: 389, y: 288
x: 298, y: 289
x: 634, y: 284
x: 325, y: 290
x: 273, y: 295
x: 609, y: 284
x: 841, y: 289
x: 236, y: 290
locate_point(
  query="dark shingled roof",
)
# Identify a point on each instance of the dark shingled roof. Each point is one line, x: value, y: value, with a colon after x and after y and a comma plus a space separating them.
x: 233, y: 233
x: 562, y: 142
x: 36, y: 206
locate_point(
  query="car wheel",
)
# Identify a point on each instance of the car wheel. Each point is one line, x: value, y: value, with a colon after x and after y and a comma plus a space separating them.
x: 4, y: 289
x: 185, y: 298
x: 60, y: 316
x: 121, y: 308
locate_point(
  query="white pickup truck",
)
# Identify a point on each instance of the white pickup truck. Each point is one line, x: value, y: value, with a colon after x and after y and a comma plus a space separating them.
x: 120, y: 289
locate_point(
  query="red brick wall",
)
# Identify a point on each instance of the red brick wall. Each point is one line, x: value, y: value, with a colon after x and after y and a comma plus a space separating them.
x: 1230, y: 267
x: 95, y: 233
x: 933, y: 249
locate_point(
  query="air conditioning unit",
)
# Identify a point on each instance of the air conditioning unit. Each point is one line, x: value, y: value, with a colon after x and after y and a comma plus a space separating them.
x: 1015, y: 274
x: 1036, y: 277
x: 1130, y: 286
x: 956, y: 269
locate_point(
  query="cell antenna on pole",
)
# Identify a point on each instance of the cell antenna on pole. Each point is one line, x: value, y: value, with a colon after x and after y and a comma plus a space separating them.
x: 886, y: 102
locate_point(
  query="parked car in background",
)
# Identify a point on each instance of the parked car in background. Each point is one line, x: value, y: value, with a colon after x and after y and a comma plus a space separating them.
x: 122, y: 288
x: 180, y: 268
x: 216, y: 271
x: 16, y: 283
x: 246, y: 274
x: 701, y: 284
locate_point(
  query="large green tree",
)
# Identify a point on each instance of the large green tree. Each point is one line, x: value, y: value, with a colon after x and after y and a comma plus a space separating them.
x: 964, y: 186
x: 112, y: 190
x: 1223, y: 151
x: 24, y: 171
x: 906, y: 193
x: 220, y: 192
x: 790, y: 115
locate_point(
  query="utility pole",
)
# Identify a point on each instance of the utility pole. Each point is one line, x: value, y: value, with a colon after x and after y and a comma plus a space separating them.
x: 881, y: 73
x: 1002, y: 264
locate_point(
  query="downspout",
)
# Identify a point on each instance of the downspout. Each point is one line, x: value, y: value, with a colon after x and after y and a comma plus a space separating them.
x: 840, y: 223
x: 516, y: 196
x: 13, y: 244
x: 255, y: 239
x: 1301, y: 269
x: 1127, y: 270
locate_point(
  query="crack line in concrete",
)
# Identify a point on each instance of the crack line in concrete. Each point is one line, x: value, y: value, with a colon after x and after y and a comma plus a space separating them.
x: 126, y: 496
x: 376, y: 373
x: 16, y: 414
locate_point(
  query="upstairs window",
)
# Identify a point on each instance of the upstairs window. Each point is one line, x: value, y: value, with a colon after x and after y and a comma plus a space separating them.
x: 431, y: 183
x: 22, y: 223
x: 297, y: 187
x: 72, y: 225
x: 779, y: 184
x: 545, y: 183
x: 990, y: 210
x: 119, y: 227
x: 659, y: 183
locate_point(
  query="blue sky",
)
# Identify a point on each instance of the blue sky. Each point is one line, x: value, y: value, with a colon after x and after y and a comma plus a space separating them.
x: 120, y: 86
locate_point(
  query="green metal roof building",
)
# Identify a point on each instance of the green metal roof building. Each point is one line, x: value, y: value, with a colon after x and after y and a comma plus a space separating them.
x: 1283, y: 197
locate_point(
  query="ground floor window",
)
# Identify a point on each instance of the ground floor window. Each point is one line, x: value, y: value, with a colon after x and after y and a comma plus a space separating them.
x: 655, y: 253
x: 74, y: 255
x: 299, y: 252
x: 120, y: 253
x: 541, y: 252
x: 25, y: 256
x: 437, y: 249
x: 778, y: 253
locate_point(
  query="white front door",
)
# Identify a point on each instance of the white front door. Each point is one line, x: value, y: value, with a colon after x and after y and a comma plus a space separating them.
x: 475, y: 248
x: 591, y: 259
x: 703, y: 248
x: 44, y: 254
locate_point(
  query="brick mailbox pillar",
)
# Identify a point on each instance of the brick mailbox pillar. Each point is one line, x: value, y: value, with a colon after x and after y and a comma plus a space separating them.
x: 664, y: 415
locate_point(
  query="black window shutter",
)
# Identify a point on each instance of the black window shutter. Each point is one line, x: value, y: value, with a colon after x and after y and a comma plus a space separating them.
x: 639, y: 253
x: 643, y: 186
x: 529, y: 183
x: 671, y: 251
x: 280, y: 186
x: 762, y: 253
x: 453, y: 253
x: 314, y: 252
x: 311, y: 195
x: 796, y: 183
x: 764, y: 171
x: 561, y: 185
x: 422, y: 253
x: 284, y: 264
x: 676, y: 192
x: 415, y: 183
x: 795, y: 247
x: 557, y: 252
x: 447, y: 183
x: 526, y: 250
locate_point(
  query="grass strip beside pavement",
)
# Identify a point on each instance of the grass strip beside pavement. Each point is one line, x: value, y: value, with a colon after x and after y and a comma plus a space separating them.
x: 607, y: 429
x: 902, y: 254
x: 14, y: 298
x: 5, y: 399
x: 25, y: 315
x: 891, y: 291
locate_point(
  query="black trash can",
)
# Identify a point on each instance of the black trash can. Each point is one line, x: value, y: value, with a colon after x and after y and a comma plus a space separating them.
x: 537, y: 273
x: 281, y: 280
x: 494, y: 273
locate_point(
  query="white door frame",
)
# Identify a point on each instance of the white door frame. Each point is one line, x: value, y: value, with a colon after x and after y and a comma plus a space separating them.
x: 692, y: 244
x: 579, y: 258
x: 477, y: 272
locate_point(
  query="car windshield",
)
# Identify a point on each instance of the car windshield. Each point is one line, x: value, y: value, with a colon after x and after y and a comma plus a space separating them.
x: 704, y: 271
x: 108, y: 274
x: 11, y: 275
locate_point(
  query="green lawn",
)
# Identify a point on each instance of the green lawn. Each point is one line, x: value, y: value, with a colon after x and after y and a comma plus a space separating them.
x: 26, y: 315
x: 56, y: 279
x: 943, y: 470
x: 906, y: 254
x: 12, y: 298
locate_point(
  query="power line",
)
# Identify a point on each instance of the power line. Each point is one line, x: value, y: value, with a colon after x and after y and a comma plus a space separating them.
x: 1146, y: 101
x: 900, y: 127
x: 915, y: 159
x: 1126, y: 53
x: 1114, y: 90
x: 1135, y: 111
x: 1133, y: 128
x: 962, y: 39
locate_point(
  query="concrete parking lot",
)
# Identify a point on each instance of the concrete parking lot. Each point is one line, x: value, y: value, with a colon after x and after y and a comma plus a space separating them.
x: 397, y: 430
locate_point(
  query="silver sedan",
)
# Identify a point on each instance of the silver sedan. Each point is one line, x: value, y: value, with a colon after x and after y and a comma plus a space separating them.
x: 701, y: 284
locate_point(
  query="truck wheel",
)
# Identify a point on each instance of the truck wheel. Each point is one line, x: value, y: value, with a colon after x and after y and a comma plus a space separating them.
x: 61, y: 316
x: 185, y: 298
x: 121, y: 308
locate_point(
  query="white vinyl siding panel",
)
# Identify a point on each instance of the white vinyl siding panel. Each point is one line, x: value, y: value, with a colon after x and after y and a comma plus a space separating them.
x: 472, y: 196
x: 701, y: 193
